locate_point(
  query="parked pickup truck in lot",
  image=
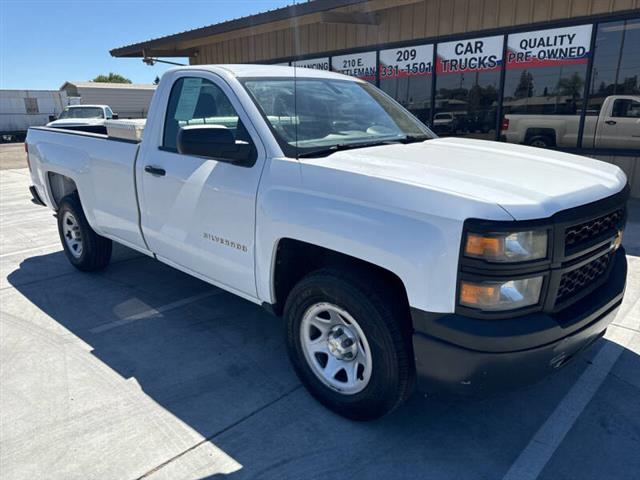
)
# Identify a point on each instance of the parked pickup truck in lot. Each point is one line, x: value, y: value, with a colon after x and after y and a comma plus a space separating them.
x: 617, y: 125
x: 87, y: 118
x: 396, y: 258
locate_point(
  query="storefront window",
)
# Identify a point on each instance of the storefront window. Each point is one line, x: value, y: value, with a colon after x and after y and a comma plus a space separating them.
x: 359, y: 65
x: 545, y: 99
x: 467, y: 83
x: 544, y: 86
x: 613, y: 115
x: 405, y: 74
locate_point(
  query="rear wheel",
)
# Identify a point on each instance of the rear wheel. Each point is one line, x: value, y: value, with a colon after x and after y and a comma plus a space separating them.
x: 349, y: 343
x: 540, y: 141
x: 85, y: 249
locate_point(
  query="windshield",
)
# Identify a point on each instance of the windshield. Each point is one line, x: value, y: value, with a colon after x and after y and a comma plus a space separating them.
x: 82, y: 112
x: 331, y: 113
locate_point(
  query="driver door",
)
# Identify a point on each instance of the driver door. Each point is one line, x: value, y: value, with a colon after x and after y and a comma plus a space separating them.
x: 198, y: 213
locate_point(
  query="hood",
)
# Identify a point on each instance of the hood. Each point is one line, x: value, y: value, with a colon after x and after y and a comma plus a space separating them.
x: 527, y: 182
x: 76, y: 122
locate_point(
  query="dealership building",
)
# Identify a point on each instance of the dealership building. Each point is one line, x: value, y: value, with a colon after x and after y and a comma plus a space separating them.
x: 559, y: 74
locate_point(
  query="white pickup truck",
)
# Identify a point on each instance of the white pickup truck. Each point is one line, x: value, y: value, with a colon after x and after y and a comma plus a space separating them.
x: 616, y: 125
x: 87, y: 118
x: 396, y: 258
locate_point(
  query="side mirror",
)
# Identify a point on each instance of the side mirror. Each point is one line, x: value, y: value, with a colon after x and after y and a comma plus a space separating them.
x: 52, y: 118
x: 114, y: 116
x: 214, y: 141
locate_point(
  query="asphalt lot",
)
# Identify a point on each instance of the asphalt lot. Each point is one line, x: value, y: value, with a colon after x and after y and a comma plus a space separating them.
x: 143, y: 372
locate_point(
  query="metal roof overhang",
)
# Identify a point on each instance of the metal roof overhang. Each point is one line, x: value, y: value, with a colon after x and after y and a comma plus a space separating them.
x: 186, y: 44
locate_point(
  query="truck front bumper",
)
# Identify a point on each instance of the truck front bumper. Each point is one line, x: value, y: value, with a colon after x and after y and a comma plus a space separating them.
x: 459, y: 354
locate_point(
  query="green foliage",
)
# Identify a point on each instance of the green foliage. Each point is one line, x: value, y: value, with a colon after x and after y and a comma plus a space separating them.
x: 111, y: 78
x: 525, y: 85
x: 571, y: 86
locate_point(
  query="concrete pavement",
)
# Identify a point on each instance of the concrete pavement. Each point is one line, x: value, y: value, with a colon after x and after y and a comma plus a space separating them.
x: 143, y: 372
x: 12, y: 155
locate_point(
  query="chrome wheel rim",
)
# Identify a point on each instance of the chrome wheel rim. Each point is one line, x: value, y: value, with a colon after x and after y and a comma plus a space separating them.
x: 336, y: 348
x: 72, y: 235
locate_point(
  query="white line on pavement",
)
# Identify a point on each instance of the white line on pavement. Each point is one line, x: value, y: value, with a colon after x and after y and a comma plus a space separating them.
x: 548, y: 438
x: 153, y: 311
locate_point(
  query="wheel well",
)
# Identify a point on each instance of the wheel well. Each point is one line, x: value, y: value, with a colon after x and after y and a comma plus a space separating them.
x: 60, y: 186
x: 541, y: 132
x: 296, y: 259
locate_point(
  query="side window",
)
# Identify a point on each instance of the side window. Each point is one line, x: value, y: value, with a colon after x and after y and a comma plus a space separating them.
x: 109, y: 113
x: 196, y: 101
x: 625, y: 108
x: 616, y: 70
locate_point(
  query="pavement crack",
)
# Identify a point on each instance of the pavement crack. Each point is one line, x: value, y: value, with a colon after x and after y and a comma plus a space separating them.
x: 623, y: 380
x: 625, y: 327
x: 219, y: 432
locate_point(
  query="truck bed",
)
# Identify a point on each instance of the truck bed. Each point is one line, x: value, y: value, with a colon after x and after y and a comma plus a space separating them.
x: 100, y: 129
x: 104, y: 171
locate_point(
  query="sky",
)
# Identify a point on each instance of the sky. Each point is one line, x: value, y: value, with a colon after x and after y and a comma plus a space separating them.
x: 44, y: 43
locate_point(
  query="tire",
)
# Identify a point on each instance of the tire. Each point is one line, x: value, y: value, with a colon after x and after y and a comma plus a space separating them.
x: 380, y: 385
x: 540, y: 141
x: 85, y: 249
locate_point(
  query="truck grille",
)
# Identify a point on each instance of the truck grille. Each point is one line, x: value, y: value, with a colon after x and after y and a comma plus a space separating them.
x: 581, y: 234
x: 573, y: 282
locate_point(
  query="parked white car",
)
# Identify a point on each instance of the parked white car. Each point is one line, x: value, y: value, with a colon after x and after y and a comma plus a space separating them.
x: 616, y: 125
x: 445, y: 123
x: 79, y: 117
x: 395, y: 257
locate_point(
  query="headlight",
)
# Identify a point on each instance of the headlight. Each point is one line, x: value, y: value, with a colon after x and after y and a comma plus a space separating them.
x: 507, y: 247
x: 506, y: 295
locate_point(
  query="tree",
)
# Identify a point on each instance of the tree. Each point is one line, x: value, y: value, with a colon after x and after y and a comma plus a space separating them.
x: 525, y: 86
x: 111, y: 78
x: 571, y: 86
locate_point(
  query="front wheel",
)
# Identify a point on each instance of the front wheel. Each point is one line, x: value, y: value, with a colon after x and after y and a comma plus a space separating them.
x: 85, y: 249
x: 349, y: 343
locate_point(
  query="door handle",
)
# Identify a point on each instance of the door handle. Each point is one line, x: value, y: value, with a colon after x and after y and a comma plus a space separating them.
x: 610, y: 122
x: 160, y: 172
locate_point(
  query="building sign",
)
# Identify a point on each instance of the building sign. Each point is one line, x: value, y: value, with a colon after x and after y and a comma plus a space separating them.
x: 315, y: 63
x: 360, y: 65
x: 556, y: 46
x: 475, y: 55
x: 406, y: 62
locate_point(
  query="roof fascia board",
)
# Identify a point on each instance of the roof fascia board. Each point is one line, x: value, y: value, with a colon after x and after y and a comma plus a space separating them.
x: 288, y: 17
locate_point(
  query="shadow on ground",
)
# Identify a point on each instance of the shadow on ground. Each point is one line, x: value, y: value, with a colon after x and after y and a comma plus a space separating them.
x: 219, y: 364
